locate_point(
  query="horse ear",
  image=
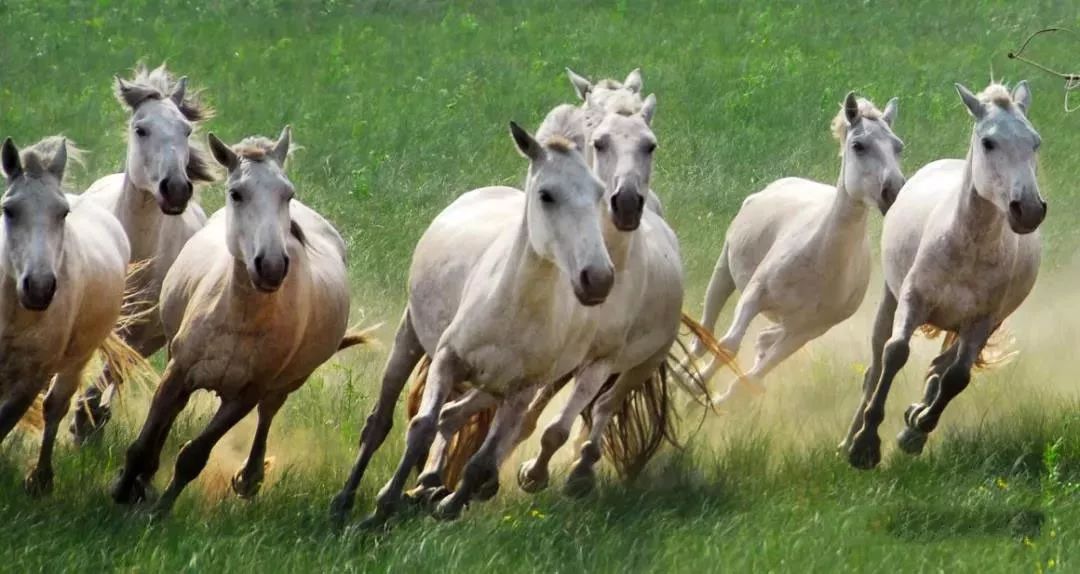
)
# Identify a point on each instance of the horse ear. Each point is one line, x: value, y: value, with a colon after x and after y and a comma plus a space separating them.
x: 582, y: 86
x: 222, y: 153
x: 281, y: 148
x: 9, y: 157
x: 974, y: 106
x: 178, y: 93
x: 851, y: 108
x: 131, y: 95
x: 59, y: 161
x: 633, y: 81
x: 648, y: 108
x: 891, y: 109
x: 1021, y: 94
x: 526, y: 144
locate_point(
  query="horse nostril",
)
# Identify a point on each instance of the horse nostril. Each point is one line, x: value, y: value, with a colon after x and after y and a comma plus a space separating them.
x: 1015, y: 209
x: 259, y: 264
x: 585, y: 279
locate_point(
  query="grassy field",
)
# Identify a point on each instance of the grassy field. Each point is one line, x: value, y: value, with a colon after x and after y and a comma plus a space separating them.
x: 401, y: 106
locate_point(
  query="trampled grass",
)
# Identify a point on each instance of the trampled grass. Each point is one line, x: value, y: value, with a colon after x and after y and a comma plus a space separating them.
x: 402, y: 106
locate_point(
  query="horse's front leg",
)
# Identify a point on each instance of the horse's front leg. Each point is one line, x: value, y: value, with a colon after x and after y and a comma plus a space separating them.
x: 433, y: 484
x: 865, y: 451
x: 246, y: 481
x: 883, y: 323
x: 910, y: 440
x: 57, y: 402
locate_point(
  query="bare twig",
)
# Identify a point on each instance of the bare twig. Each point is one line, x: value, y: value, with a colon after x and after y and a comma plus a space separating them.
x: 1072, y: 80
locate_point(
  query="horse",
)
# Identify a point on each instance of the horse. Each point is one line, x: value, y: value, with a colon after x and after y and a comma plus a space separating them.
x: 154, y: 202
x: 63, y: 263
x: 499, y: 293
x: 798, y: 251
x: 960, y: 252
x: 255, y: 302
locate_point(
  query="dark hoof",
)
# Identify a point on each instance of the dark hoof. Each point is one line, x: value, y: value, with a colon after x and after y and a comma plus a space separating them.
x: 911, y: 441
x: 865, y: 452
x: 246, y: 488
x: 340, y: 508
x: 488, y: 490
x: 38, y: 483
x: 581, y: 482
x: 448, y: 509
x: 530, y: 479
x: 427, y: 496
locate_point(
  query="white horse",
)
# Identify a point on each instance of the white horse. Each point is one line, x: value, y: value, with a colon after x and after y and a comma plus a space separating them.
x: 256, y: 301
x: 500, y: 286
x: 798, y: 250
x: 63, y: 262
x: 153, y: 199
x: 960, y: 252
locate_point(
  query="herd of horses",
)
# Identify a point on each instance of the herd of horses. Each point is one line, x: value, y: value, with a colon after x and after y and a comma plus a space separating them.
x: 512, y: 295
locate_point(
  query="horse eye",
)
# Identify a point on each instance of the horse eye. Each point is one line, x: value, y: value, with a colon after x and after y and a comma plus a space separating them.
x: 988, y: 144
x: 140, y: 131
x: 858, y: 147
x: 235, y: 196
x: 546, y: 197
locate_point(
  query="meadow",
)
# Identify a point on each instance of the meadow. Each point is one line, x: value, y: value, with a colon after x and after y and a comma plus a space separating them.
x: 402, y: 106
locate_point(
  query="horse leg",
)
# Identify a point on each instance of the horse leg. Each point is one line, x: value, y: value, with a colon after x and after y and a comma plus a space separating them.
x: 453, y: 417
x: 12, y: 408
x: 404, y: 356
x: 246, y: 482
x: 193, y: 456
x: 144, y: 455
x: 533, y: 475
x: 483, y: 467
x: 748, y: 307
x: 57, y: 402
x: 782, y: 343
x: 582, y: 477
x: 91, y: 414
x: 910, y: 440
x: 955, y: 379
x: 446, y: 371
x: 721, y: 286
x: 537, y: 406
x: 865, y: 451
x: 882, y: 328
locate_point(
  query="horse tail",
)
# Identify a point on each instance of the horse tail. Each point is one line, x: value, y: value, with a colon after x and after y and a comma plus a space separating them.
x: 689, y: 376
x: 124, y: 363
x: 643, y: 422
x: 466, y: 441
x: 355, y: 337
x: 998, y: 351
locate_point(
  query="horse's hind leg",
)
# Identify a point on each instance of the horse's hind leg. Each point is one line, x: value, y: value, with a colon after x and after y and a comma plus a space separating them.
x: 404, y: 356
x: 193, y: 456
x: 536, y: 407
x: 57, y: 402
x: 882, y: 328
x: 925, y: 418
x: 483, y: 467
x: 779, y: 343
x: 91, y: 414
x: 446, y: 371
x: 721, y: 286
x: 144, y: 455
x: 246, y: 481
x: 865, y: 450
x: 533, y: 475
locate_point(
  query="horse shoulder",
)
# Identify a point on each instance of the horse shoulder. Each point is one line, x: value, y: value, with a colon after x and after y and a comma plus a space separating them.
x: 106, y: 191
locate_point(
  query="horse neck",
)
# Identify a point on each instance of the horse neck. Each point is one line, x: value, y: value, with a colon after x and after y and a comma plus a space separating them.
x: 525, y: 275
x: 981, y: 220
x: 847, y: 218
x: 141, y: 218
x: 621, y: 245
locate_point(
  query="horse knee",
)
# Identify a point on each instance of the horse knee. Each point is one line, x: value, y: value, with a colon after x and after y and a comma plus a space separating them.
x: 895, y: 355
x: 423, y: 427
x: 554, y: 436
x: 191, y: 461
x: 376, y: 428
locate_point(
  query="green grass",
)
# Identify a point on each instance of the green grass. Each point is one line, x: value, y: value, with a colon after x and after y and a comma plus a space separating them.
x: 403, y: 106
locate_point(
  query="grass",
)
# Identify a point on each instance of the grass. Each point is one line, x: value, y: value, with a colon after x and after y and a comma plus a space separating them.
x: 403, y: 106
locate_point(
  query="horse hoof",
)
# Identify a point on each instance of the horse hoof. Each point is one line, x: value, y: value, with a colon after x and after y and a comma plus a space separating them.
x: 580, y: 483
x: 427, y: 496
x: 447, y: 510
x: 137, y: 492
x: 530, y: 478
x: 340, y: 508
x: 911, y: 441
x: 488, y: 490
x: 38, y: 483
x: 245, y: 488
x: 912, y: 413
x: 865, y: 452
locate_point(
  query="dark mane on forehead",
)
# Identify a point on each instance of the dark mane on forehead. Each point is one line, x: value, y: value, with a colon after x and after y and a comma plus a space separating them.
x: 255, y: 148
x: 562, y: 129
x: 560, y: 144
x: 158, y: 84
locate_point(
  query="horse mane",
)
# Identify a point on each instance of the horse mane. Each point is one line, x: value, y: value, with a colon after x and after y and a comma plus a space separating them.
x: 562, y: 129
x: 998, y: 94
x: 158, y: 84
x: 839, y: 126
x: 36, y: 158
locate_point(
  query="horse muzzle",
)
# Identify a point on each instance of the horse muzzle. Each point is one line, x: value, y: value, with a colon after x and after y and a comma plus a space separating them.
x: 1026, y: 216
x: 174, y: 194
x: 627, y: 206
x: 269, y: 272
x: 593, y: 285
x: 36, y: 292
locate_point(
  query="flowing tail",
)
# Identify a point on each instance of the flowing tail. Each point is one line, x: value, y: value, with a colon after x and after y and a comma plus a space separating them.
x: 998, y: 351
x: 355, y: 337
x: 688, y: 376
x: 466, y: 441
